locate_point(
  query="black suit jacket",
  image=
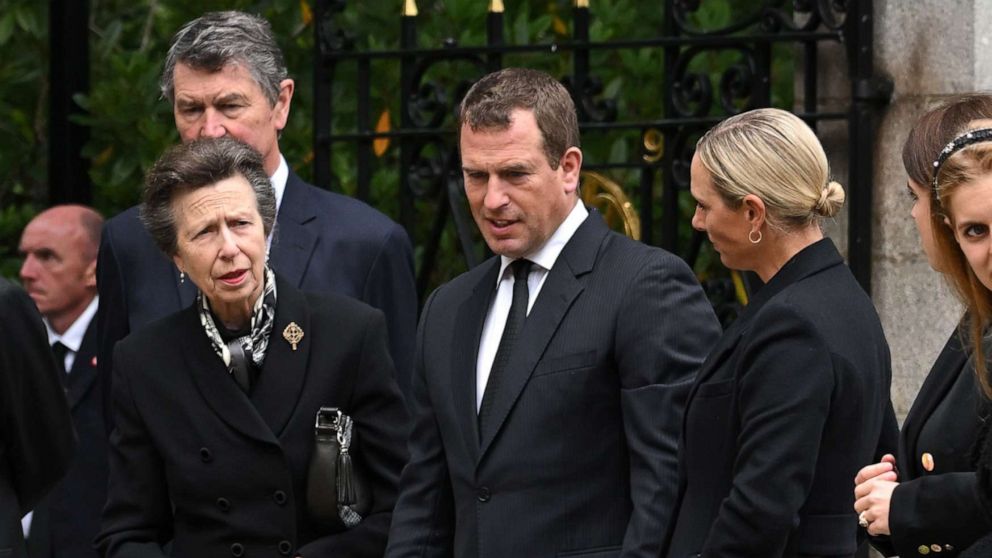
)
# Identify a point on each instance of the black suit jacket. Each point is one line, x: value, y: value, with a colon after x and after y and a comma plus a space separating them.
x: 323, y: 242
x: 941, y: 506
x: 786, y: 410
x: 582, y: 457
x: 196, y: 461
x: 64, y: 524
x: 36, y: 435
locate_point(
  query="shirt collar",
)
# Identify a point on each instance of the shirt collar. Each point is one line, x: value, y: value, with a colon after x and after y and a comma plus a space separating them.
x: 547, y: 254
x: 279, y: 179
x: 73, y: 336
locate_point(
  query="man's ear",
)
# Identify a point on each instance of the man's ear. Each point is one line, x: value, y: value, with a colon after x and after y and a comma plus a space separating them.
x: 89, y: 276
x: 571, y: 168
x: 281, y: 109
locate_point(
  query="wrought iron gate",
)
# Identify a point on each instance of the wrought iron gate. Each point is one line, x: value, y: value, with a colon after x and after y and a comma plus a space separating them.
x: 432, y: 80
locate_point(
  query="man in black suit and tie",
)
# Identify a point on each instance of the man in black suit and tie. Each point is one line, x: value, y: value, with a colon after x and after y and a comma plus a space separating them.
x: 549, y: 381
x: 59, y: 247
x: 36, y: 436
x: 225, y: 75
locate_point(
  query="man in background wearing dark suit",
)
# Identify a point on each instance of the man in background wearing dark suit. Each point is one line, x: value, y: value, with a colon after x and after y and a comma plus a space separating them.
x: 225, y: 75
x: 36, y: 435
x: 59, y: 247
x: 550, y: 380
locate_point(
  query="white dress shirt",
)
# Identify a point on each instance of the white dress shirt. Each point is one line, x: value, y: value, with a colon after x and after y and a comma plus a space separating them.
x: 72, y: 338
x: 544, y: 259
x: 278, y: 179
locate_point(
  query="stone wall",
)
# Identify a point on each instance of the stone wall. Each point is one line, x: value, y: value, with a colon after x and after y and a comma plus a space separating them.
x: 930, y: 49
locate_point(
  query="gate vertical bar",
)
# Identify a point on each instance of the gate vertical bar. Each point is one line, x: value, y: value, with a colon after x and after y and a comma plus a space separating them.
x: 323, y: 75
x: 408, y: 41
x: 364, y: 122
x: 68, y: 170
x: 494, y: 35
x: 869, y: 93
x: 669, y: 190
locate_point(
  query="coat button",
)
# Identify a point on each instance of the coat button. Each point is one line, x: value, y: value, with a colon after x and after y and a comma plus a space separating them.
x: 280, y: 497
x: 285, y: 548
x: 484, y: 494
x: 927, y: 460
x: 223, y: 504
x: 205, y: 455
x: 923, y: 549
x: 237, y: 550
x: 936, y: 548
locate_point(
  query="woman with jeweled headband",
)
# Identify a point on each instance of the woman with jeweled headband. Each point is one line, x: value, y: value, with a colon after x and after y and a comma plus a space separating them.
x: 913, y: 502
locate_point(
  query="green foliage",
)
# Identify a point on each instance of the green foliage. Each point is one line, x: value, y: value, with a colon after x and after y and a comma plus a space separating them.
x: 130, y: 125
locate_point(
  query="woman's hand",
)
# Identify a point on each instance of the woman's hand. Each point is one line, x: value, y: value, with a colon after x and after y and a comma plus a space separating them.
x: 873, y: 492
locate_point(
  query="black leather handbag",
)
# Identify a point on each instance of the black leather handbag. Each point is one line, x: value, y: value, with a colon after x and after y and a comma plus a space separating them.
x: 337, y: 496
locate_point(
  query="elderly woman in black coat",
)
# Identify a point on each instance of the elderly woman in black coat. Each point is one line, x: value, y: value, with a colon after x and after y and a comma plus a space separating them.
x: 213, y: 451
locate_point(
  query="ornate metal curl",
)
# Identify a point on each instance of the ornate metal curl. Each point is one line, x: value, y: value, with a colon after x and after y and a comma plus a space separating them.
x: 428, y: 166
x: 737, y: 84
x: 607, y: 196
x: 692, y: 92
x: 591, y: 107
x: 429, y: 101
x: 681, y: 9
x: 332, y: 37
x: 683, y: 148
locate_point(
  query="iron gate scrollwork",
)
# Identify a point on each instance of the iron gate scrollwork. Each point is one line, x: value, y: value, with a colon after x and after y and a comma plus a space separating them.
x: 432, y: 81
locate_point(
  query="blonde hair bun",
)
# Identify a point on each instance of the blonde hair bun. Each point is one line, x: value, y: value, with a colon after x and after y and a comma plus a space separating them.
x: 831, y: 200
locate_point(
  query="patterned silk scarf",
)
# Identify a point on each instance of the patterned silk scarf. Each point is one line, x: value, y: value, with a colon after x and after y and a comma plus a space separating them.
x: 256, y: 343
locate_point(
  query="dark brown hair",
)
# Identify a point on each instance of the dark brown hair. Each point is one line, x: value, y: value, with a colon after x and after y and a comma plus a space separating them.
x: 491, y: 101
x: 938, y: 127
x: 195, y: 165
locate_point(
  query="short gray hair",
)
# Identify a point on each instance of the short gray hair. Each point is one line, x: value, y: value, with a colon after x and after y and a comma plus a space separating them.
x: 216, y: 39
x: 195, y: 165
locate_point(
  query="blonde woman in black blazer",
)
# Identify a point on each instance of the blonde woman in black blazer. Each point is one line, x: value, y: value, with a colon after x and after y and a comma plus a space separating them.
x: 797, y: 390
x: 215, y: 405
x: 926, y: 500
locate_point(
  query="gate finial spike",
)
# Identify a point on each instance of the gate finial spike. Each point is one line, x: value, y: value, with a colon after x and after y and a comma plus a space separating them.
x: 496, y: 6
x: 409, y: 8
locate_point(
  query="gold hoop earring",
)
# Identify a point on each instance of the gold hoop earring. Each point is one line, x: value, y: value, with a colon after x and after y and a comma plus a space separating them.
x: 750, y: 236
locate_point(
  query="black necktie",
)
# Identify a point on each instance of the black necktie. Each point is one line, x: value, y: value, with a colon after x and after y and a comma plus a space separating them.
x: 514, y: 323
x: 60, y: 350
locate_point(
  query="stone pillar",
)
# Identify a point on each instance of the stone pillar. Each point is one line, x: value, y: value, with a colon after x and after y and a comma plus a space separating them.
x: 930, y: 49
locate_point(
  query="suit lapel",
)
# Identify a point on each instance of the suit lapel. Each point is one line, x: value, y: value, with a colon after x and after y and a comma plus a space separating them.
x: 812, y: 259
x: 83, y: 373
x: 215, y: 384
x: 469, y: 321
x: 560, y: 290
x: 284, y: 370
x: 293, y: 242
x: 944, y: 373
